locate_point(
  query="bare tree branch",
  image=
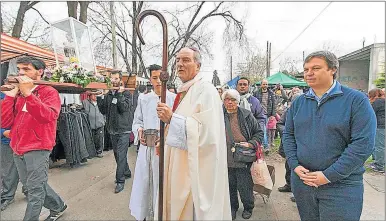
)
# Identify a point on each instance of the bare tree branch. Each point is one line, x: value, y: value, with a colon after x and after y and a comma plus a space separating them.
x: 40, y: 15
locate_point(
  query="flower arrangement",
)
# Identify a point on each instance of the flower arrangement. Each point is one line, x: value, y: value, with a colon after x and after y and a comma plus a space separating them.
x: 73, y: 73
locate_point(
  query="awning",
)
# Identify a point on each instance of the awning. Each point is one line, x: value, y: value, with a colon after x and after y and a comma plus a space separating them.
x: 12, y: 48
x: 283, y: 79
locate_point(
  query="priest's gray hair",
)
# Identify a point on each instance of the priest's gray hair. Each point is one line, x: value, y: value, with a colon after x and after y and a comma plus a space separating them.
x: 232, y: 93
x: 330, y: 58
x: 196, y: 55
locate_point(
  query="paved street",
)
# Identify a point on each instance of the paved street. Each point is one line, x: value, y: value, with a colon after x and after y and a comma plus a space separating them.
x: 89, y: 192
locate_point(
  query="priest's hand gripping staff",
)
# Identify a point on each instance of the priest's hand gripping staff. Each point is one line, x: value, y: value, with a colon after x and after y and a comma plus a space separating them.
x: 164, y: 77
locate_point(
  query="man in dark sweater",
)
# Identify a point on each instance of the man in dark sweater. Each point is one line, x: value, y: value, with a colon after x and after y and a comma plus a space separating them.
x: 329, y: 134
x: 117, y: 106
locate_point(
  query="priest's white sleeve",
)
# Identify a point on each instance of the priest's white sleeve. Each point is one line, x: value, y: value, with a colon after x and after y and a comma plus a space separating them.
x: 177, y: 132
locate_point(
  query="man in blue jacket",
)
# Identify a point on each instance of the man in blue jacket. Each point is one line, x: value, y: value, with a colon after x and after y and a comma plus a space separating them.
x: 329, y: 134
x: 249, y: 102
x: 9, y: 174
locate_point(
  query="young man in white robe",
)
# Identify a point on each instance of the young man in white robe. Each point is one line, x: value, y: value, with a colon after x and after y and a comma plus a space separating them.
x: 145, y: 185
x: 195, y: 171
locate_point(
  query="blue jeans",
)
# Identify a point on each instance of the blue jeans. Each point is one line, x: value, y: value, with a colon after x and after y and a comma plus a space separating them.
x: 379, y: 150
x: 265, y: 141
x: 342, y: 200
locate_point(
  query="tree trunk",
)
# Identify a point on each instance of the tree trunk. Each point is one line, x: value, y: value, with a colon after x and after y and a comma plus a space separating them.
x: 18, y: 27
x: 83, y: 11
x: 134, y: 41
x: 72, y: 9
x: 1, y: 20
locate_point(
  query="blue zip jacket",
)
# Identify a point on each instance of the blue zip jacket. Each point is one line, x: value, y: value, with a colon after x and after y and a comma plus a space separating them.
x: 336, y: 136
x: 4, y: 140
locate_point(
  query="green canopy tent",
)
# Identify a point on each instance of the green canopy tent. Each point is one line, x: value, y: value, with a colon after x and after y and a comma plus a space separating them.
x: 285, y: 80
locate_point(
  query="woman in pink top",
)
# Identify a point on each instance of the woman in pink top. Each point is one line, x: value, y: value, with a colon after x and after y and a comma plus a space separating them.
x: 271, y: 127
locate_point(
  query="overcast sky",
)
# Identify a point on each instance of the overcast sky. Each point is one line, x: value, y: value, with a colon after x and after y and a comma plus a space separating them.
x: 343, y: 24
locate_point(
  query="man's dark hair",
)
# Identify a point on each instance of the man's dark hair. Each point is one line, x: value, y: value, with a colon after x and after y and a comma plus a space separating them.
x: 117, y: 72
x: 35, y: 62
x: 154, y: 67
x: 243, y: 78
x: 330, y: 58
x: 142, y: 88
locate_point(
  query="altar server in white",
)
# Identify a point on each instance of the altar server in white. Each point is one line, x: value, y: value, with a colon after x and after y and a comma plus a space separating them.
x: 145, y: 185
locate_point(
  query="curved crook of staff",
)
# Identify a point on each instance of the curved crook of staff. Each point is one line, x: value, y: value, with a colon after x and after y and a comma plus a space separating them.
x: 164, y: 77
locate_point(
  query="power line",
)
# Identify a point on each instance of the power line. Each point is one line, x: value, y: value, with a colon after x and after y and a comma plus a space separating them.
x: 303, y: 31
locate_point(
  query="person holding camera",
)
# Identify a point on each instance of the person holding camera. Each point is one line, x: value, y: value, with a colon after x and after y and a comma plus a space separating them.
x: 242, y: 129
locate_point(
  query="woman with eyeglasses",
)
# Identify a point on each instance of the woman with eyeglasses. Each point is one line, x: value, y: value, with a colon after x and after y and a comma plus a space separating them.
x: 242, y: 128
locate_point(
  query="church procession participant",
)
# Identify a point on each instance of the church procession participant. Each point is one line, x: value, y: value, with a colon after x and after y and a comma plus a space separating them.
x: 116, y: 105
x: 195, y: 170
x: 29, y: 108
x: 145, y: 185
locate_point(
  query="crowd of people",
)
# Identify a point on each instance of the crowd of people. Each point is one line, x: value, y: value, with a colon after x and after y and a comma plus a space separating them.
x: 327, y: 133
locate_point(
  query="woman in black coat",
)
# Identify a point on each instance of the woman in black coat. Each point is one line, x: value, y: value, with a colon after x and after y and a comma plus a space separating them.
x: 242, y: 126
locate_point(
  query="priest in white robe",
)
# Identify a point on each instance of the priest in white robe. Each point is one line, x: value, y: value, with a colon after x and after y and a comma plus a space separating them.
x: 145, y: 185
x: 195, y: 170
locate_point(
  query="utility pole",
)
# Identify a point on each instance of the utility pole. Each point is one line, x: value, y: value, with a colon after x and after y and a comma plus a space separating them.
x: 269, y: 61
x: 231, y: 68
x: 268, y: 58
x: 114, y: 40
x: 363, y: 42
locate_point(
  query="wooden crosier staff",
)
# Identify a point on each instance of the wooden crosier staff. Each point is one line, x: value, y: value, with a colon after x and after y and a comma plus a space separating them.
x: 164, y: 77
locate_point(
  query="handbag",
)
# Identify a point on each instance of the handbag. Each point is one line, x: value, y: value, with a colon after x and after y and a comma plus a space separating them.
x: 263, y: 176
x: 240, y: 153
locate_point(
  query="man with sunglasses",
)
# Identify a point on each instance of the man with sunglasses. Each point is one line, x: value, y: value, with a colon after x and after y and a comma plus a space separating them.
x: 249, y: 102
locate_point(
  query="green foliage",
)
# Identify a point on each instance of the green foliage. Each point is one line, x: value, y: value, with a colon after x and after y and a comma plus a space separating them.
x: 380, y: 81
x: 73, y: 73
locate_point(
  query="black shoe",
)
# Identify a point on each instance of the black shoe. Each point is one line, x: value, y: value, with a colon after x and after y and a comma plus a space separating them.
x: 55, y: 215
x: 6, y: 203
x: 99, y: 155
x: 234, y: 215
x: 24, y: 191
x: 286, y: 188
x: 246, y: 214
x: 119, y: 187
x: 128, y: 175
x: 293, y: 199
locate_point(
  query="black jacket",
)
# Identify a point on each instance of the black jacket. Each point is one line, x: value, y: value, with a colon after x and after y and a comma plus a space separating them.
x: 271, y: 109
x: 280, y: 125
x: 379, y: 109
x: 120, y: 113
x: 249, y: 127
